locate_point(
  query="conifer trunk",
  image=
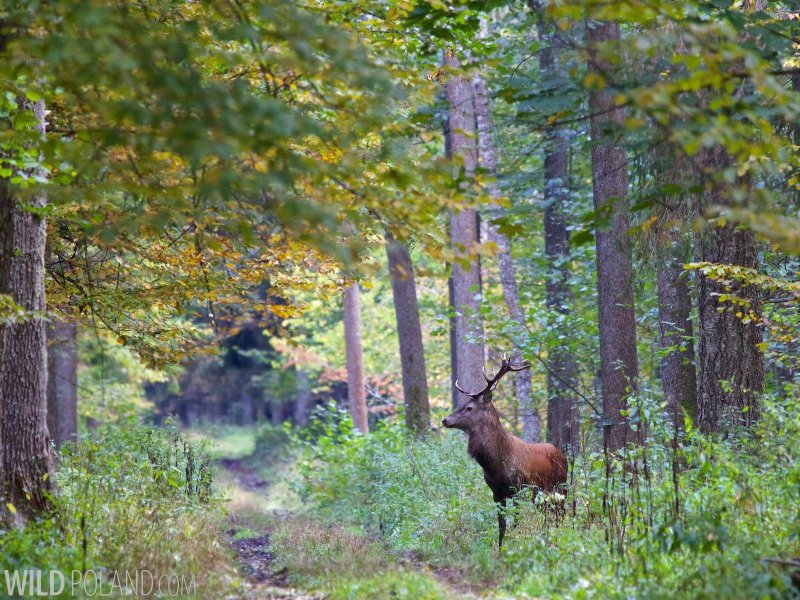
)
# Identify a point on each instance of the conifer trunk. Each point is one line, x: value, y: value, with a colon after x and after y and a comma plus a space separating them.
x: 617, y: 317
x: 729, y: 349
x: 562, y: 411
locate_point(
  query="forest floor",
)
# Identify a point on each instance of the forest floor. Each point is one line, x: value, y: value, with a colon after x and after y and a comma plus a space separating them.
x: 259, y: 502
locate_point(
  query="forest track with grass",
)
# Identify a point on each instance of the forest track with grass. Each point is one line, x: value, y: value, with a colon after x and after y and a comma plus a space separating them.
x: 257, y: 511
x: 249, y: 536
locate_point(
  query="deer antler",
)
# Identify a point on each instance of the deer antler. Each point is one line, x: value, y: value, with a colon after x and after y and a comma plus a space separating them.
x: 492, y: 382
x: 460, y: 389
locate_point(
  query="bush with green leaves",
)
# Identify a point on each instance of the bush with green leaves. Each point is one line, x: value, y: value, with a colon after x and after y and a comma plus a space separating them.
x: 130, y: 498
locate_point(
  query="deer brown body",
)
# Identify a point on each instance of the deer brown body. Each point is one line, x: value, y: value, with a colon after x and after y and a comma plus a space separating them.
x: 509, y: 463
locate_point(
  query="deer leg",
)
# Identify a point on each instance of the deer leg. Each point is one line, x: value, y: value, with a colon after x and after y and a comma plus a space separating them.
x: 501, y: 522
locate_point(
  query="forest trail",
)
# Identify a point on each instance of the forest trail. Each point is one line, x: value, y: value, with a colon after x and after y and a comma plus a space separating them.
x: 249, y: 537
x: 253, y: 513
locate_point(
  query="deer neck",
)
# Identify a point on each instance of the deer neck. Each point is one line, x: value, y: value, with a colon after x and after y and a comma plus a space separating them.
x: 489, y: 443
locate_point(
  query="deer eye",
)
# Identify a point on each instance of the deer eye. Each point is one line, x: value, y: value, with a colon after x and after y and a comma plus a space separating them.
x: 469, y: 408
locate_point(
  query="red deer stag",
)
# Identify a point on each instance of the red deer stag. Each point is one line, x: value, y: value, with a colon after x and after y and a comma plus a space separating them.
x: 509, y: 464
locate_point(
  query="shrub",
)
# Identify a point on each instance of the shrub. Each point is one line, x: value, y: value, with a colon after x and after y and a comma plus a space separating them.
x: 130, y: 499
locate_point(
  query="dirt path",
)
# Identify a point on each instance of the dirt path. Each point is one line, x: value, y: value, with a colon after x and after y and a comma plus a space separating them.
x: 249, y: 537
x: 251, y: 543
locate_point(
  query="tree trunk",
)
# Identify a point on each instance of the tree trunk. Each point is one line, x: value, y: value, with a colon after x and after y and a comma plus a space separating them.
x: 356, y: 391
x: 409, y: 334
x: 62, y: 376
x: 677, y: 370
x: 25, y: 458
x: 676, y: 336
x: 562, y: 411
x: 531, y: 423
x: 455, y: 395
x: 277, y: 410
x: 302, y: 404
x: 731, y: 361
x: 464, y: 238
x: 617, y: 318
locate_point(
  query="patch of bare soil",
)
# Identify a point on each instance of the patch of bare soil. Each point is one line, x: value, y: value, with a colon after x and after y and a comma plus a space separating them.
x: 256, y: 558
x: 264, y: 582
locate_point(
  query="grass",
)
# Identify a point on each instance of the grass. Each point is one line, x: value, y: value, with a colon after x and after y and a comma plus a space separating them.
x: 347, y: 565
x: 227, y: 441
x: 386, y: 516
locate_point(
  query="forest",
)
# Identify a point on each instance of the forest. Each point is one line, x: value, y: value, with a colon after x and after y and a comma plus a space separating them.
x: 400, y: 299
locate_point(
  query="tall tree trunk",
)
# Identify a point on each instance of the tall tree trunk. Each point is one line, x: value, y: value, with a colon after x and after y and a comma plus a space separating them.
x: 25, y: 458
x: 409, y: 334
x: 731, y: 361
x: 455, y: 395
x: 302, y: 404
x: 562, y: 411
x: 531, y: 423
x: 464, y: 238
x: 676, y: 335
x: 62, y: 391
x: 617, y: 318
x: 356, y: 391
x: 677, y: 370
x: 278, y: 409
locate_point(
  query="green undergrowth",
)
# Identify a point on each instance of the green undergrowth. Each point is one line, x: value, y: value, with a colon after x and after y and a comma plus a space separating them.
x: 713, y: 520
x: 132, y: 499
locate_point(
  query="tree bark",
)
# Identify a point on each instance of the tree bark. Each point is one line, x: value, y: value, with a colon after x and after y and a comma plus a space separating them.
x: 356, y: 391
x: 677, y: 369
x: 531, y: 423
x: 25, y: 458
x: 409, y: 334
x: 676, y: 336
x: 302, y: 404
x: 62, y: 376
x: 617, y: 317
x: 562, y: 411
x: 731, y: 360
x: 464, y: 238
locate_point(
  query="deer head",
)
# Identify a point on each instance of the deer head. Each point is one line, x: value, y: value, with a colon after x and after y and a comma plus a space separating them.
x: 478, y: 404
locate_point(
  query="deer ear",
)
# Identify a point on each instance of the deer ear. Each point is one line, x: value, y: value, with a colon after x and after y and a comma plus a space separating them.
x: 487, y: 397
